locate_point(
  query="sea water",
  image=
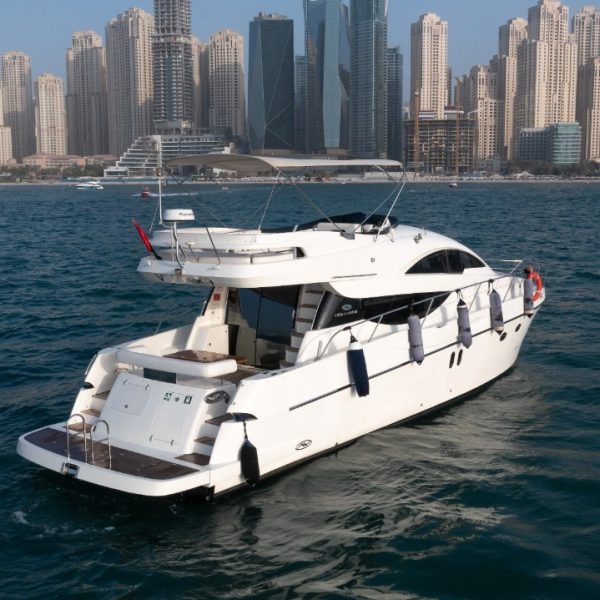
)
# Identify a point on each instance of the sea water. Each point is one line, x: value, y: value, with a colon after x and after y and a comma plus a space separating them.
x: 497, y: 497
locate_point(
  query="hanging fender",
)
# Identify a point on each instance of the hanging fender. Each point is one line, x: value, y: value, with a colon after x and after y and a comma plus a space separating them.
x: 358, y: 367
x: 496, y: 316
x: 249, y: 460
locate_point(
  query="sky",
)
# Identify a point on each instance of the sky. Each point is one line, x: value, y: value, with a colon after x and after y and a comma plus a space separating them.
x: 43, y: 28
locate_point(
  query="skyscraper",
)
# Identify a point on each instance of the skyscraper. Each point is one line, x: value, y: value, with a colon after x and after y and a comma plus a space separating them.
x: 5, y: 137
x: 300, y: 95
x: 511, y: 34
x: 130, y: 78
x: 479, y: 97
x: 395, y: 112
x: 271, y: 83
x: 50, y: 115
x: 86, y: 95
x: 586, y: 27
x: 173, y: 78
x: 368, y: 87
x: 227, y: 96
x: 327, y: 50
x: 17, y: 99
x: 200, y: 82
x: 547, y: 69
x: 429, y: 65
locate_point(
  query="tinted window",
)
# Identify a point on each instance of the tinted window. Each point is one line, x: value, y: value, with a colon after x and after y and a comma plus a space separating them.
x: 261, y: 322
x: 434, y: 263
x: 446, y: 261
x: 470, y: 262
x: 336, y: 310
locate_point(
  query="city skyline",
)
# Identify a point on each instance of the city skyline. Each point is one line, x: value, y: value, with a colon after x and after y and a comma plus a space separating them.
x: 472, y: 35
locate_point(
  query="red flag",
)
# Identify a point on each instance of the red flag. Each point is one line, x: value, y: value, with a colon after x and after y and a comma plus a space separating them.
x: 145, y: 239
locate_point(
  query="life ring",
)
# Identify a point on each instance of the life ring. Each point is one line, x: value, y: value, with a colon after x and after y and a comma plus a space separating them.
x: 535, y: 276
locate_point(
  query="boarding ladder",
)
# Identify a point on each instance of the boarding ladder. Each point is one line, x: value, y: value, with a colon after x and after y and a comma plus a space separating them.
x: 80, y: 427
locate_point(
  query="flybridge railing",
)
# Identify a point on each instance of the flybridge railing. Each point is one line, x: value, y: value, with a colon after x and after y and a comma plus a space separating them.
x: 377, y: 319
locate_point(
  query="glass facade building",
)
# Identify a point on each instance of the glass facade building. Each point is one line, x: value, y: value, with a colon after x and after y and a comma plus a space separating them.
x: 368, y: 105
x: 327, y: 74
x: 271, y: 83
x: 559, y: 144
x: 564, y: 144
x: 300, y: 116
x: 395, y: 112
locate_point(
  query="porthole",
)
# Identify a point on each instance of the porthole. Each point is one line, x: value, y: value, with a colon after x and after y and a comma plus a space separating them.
x: 451, y: 360
x: 503, y: 336
x: 459, y: 360
x: 518, y: 327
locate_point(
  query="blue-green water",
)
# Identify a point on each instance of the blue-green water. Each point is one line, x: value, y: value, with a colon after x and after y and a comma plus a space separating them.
x: 498, y: 497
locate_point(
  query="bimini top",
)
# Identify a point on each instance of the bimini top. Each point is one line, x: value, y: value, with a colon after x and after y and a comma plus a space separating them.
x: 243, y: 163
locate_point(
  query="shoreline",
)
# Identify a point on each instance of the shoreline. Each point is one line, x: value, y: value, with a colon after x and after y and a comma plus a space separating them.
x: 236, y: 182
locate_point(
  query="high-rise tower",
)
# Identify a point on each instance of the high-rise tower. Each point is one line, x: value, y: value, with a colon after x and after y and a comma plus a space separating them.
x: 5, y: 137
x: 429, y: 65
x: 327, y: 50
x: 479, y: 97
x: 17, y: 99
x: 395, y: 112
x: 173, y: 77
x: 227, y: 96
x: 368, y: 87
x: 130, y: 78
x: 300, y: 98
x: 547, y: 69
x: 510, y: 36
x: 271, y: 83
x: 586, y: 28
x: 50, y: 115
x: 86, y: 95
x: 200, y: 82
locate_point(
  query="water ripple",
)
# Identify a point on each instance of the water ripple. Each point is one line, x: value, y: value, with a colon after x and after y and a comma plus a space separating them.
x: 494, y: 498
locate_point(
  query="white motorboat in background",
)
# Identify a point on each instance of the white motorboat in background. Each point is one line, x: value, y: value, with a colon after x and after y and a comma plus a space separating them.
x: 311, y: 336
x: 89, y: 185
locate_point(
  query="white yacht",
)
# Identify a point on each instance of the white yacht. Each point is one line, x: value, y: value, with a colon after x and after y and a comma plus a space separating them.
x: 311, y: 336
x: 89, y: 185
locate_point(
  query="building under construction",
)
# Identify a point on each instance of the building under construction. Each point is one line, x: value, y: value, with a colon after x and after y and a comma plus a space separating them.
x: 441, y: 146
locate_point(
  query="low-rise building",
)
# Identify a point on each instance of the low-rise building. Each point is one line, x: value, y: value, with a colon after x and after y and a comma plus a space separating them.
x: 54, y: 161
x: 148, y: 153
x: 441, y: 146
x: 559, y: 144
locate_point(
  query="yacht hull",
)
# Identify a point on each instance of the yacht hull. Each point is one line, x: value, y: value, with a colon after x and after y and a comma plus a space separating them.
x: 297, y: 415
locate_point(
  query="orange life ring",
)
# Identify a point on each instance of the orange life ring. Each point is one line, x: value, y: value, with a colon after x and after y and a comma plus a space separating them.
x: 533, y: 275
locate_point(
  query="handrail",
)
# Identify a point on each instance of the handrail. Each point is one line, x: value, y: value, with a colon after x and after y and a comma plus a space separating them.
x: 429, y: 299
x: 83, y: 423
x: 106, y: 439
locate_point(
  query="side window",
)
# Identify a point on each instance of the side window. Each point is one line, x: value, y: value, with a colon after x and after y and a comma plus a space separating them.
x: 455, y: 264
x: 434, y: 263
x: 446, y: 261
x: 469, y: 261
x: 335, y: 310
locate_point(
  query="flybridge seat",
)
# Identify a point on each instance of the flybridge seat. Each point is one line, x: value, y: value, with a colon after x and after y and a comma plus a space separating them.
x: 347, y: 223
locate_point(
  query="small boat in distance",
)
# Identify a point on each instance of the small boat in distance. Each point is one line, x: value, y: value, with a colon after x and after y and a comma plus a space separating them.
x: 89, y: 185
x: 453, y: 184
x: 145, y: 193
x: 311, y: 335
